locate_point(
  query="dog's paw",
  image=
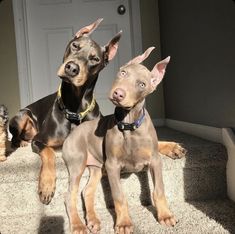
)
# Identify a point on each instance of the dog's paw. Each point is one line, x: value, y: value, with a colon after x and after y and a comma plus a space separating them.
x: 46, y: 193
x: 93, y: 224
x: 46, y: 186
x: 78, y: 228
x: 23, y: 143
x: 171, y: 149
x: 3, y: 158
x: 125, y: 227
x: 167, y: 219
x: 15, y: 143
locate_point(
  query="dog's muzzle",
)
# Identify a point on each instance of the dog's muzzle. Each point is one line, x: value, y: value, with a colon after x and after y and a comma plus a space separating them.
x: 71, y: 69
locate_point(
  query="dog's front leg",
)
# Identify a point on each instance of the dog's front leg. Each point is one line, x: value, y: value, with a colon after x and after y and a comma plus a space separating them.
x: 93, y: 223
x: 164, y: 215
x: 123, y: 221
x: 76, y: 163
x: 47, y: 177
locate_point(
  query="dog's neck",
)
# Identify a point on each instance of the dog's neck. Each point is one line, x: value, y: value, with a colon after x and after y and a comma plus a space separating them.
x: 76, y: 99
x: 130, y: 116
x: 88, y: 93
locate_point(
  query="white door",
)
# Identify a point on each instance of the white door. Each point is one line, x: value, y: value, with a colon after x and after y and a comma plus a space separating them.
x: 50, y: 24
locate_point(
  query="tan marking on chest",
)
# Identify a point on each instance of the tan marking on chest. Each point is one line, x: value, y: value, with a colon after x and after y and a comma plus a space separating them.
x: 54, y: 142
x: 144, y: 153
x: 117, y: 151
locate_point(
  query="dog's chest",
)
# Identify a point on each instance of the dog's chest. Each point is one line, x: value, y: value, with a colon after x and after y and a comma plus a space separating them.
x: 134, y: 153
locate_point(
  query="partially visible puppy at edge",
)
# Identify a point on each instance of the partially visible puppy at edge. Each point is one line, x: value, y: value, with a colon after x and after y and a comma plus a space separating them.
x: 3, y: 132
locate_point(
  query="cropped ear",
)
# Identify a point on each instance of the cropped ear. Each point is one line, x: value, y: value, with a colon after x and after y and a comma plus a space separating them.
x: 142, y: 57
x: 158, y: 72
x: 112, y: 47
x: 88, y: 29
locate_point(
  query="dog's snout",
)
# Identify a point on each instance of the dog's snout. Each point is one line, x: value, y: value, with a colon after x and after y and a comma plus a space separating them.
x: 119, y: 94
x: 71, y: 69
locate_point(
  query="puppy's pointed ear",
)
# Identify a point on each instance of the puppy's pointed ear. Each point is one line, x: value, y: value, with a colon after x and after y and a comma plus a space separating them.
x: 112, y: 47
x: 158, y: 72
x: 89, y: 28
x: 142, y: 57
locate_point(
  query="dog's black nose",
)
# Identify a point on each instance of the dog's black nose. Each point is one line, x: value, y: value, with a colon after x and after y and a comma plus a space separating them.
x: 119, y: 94
x: 71, y: 69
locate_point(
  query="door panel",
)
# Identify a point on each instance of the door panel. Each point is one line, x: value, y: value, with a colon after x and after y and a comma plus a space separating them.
x: 51, y: 24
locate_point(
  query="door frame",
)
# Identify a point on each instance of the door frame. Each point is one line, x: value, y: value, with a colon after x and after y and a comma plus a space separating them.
x: 22, y: 45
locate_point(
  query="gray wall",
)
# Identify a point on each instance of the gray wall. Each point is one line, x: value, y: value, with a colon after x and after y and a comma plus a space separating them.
x: 151, y: 37
x: 9, y: 85
x: 199, y: 85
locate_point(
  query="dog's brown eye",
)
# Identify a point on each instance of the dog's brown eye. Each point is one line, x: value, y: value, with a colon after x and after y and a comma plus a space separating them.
x: 123, y: 73
x: 75, y: 46
x: 96, y: 59
x: 142, y: 84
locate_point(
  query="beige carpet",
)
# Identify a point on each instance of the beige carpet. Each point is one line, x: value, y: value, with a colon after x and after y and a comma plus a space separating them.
x: 208, y: 212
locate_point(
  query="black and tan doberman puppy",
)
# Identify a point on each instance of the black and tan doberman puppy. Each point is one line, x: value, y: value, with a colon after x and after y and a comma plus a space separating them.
x: 123, y: 142
x: 48, y: 122
x: 3, y: 132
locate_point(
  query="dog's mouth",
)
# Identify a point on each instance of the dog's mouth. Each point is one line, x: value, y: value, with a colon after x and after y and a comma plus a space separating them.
x: 69, y: 80
x: 61, y: 74
x: 79, y: 82
x: 65, y: 78
x: 119, y: 104
x: 115, y: 102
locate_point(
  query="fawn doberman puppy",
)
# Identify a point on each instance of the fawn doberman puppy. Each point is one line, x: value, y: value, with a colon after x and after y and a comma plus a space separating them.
x: 123, y: 142
x: 47, y: 122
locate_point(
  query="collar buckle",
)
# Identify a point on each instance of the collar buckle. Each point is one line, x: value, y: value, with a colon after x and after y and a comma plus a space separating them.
x: 131, y: 126
x: 73, y: 117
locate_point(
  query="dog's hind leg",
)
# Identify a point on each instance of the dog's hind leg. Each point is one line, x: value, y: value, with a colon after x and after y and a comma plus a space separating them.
x: 164, y: 215
x: 93, y: 223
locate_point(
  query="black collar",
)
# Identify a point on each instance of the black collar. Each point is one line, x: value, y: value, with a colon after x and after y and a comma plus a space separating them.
x: 73, y: 116
x: 129, y: 126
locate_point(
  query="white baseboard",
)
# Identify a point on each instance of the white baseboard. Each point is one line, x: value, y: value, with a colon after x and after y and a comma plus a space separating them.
x: 229, y: 142
x: 205, y: 132
x: 228, y: 137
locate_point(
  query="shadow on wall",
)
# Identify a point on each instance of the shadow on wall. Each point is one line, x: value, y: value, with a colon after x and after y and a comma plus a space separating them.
x: 51, y: 225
